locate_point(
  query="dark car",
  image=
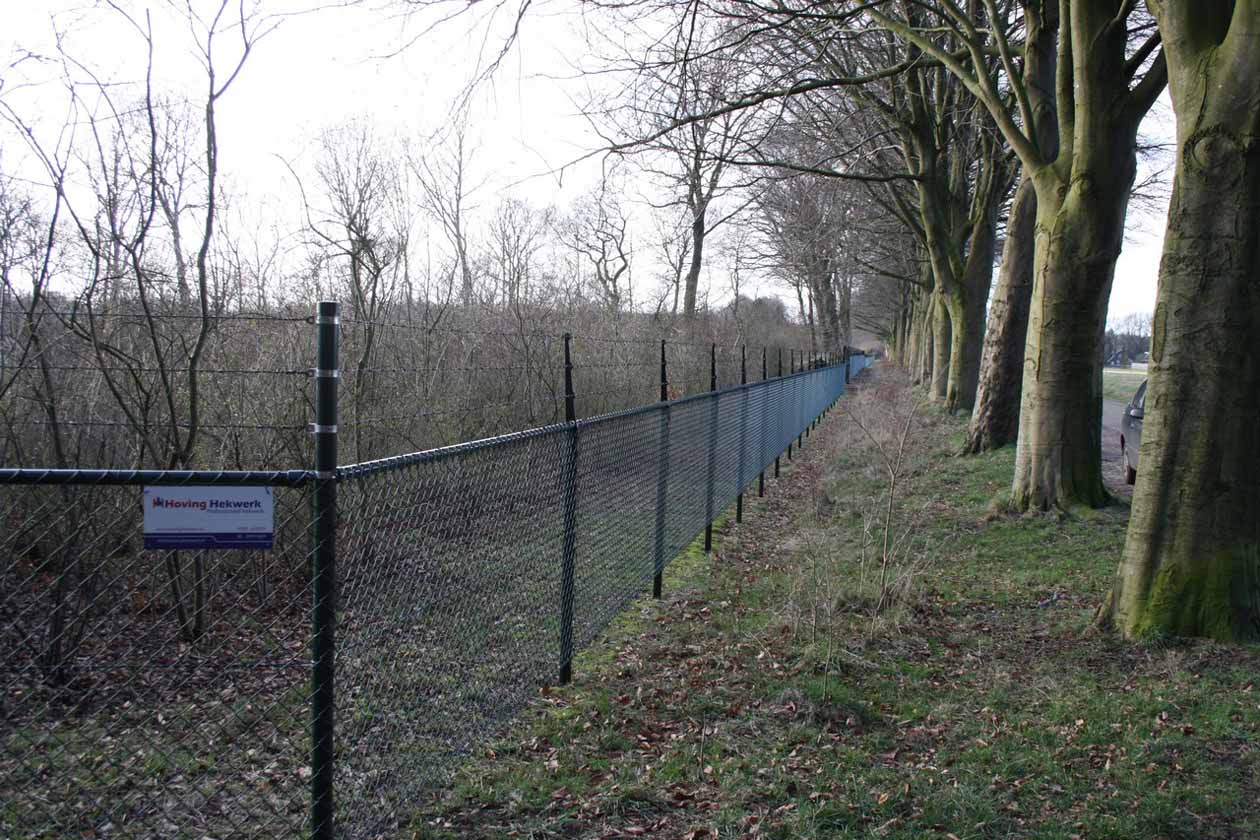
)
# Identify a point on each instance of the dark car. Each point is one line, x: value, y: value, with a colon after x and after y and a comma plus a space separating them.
x: 1131, y: 432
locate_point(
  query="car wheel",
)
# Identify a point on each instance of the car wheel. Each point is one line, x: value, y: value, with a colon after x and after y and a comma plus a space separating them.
x: 1130, y: 474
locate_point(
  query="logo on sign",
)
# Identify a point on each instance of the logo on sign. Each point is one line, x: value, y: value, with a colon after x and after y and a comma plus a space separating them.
x: 208, y: 517
x: 206, y: 504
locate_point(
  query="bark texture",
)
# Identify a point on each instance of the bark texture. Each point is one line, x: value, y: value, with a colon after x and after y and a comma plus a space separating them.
x: 1082, y: 195
x: 961, y: 176
x: 995, y: 420
x: 692, y: 281
x: 1059, y: 454
x: 942, y: 343
x: 967, y: 312
x: 1191, y: 564
x: 1082, y: 198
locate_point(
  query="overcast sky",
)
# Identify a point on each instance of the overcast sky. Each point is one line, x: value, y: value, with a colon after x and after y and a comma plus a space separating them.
x: 344, y: 65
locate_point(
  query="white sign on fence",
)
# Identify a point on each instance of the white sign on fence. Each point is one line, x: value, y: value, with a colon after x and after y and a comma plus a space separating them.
x: 208, y: 517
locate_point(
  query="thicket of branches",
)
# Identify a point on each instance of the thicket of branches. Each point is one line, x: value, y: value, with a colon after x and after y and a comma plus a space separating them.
x: 146, y: 322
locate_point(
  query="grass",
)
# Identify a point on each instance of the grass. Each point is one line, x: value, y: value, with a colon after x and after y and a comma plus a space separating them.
x: 123, y: 770
x: 1121, y: 383
x: 760, y: 698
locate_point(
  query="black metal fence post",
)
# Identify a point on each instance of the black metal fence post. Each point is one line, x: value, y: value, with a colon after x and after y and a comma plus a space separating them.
x: 800, y: 405
x: 713, y: 421
x: 826, y: 363
x: 743, y: 429
x: 778, y: 414
x: 811, y: 387
x: 765, y: 409
x: 791, y: 370
x: 570, y: 520
x: 809, y: 366
x: 662, y: 482
x: 816, y: 364
x: 324, y: 569
x: 831, y: 363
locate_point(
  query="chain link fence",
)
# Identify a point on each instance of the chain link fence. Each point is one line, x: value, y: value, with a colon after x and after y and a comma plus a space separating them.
x: 193, y: 693
x: 149, y: 693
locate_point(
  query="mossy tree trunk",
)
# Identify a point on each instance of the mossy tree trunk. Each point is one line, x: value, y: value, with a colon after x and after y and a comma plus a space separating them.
x: 960, y: 174
x: 958, y: 217
x: 925, y: 349
x: 923, y: 369
x: 910, y: 352
x: 1191, y: 564
x: 921, y: 330
x: 900, y: 341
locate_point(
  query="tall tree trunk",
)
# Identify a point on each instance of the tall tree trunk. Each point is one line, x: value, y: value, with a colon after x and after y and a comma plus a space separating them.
x: 906, y: 321
x: 914, y: 338
x: 896, y: 341
x: 959, y: 243
x: 697, y: 254
x: 1058, y: 460
x: 926, y: 341
x: 1082, y: 199
x: 1191, y: 564
x: 1082, y: 195
x: 960, y: 334
x: 967, y: 322
x: 942, y: 340
x: 828, y: 314
x: 995, y: 420
x: 968, y: 307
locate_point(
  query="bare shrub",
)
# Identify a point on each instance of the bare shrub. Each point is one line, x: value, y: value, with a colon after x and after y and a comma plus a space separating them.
x: 886, y: 412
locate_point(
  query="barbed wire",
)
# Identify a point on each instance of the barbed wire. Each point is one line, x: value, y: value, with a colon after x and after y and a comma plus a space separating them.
x: 352, y: 371
x: 559, y: 337
x: 85, y: 314
x: 579, y: 394
x: 89, y: 368
x: 156, y: 425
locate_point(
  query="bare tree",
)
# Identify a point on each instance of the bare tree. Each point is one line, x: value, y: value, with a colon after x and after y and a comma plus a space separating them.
x: 517, y: 234
x: 659, y: 116
x: 599, y: 230
x: 140, y: 163
x: 363, y: 220
x: 443, y: 177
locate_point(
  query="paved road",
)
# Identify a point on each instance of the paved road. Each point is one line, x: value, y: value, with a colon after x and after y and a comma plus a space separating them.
x: 1113, y: 466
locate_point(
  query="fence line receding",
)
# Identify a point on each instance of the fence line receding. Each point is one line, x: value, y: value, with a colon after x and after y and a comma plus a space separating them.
x: 408, y: 607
